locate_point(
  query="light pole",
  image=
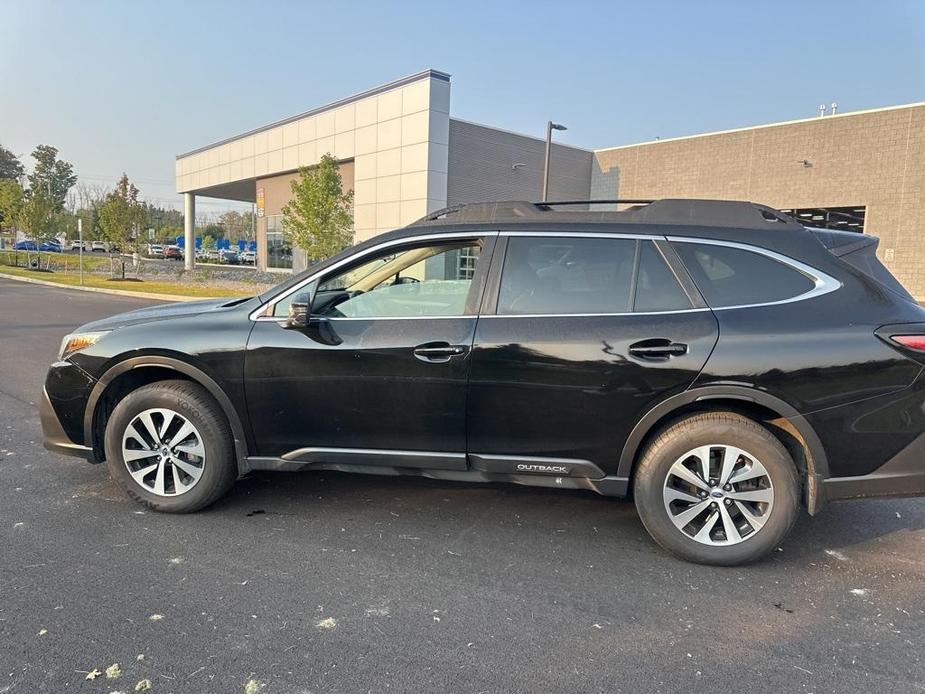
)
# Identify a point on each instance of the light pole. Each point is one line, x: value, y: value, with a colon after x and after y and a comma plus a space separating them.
x: 550, y: 126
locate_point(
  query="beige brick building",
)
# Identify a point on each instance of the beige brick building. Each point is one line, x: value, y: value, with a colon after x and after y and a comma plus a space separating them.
x: 404, y: 155
x: 872, y: 161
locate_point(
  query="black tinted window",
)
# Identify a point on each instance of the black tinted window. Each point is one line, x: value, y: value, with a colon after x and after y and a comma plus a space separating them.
x: 657, y: 289
x: 735, y: 277
x: 567, y: 275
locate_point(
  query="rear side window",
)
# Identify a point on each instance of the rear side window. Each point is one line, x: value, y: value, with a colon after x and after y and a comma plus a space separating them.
x: 561, y: 275
x: 736, y: 277
x: 581, y: 275
x: 657, y: 289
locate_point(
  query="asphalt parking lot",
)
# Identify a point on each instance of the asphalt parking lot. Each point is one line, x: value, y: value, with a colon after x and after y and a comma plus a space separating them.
x: 324, y: 582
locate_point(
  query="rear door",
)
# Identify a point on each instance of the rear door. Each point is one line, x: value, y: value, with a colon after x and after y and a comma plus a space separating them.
x: 579, y: 337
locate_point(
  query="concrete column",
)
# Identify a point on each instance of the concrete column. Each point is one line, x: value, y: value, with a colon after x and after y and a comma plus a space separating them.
x: 261, y: 243
x: 189, y: 230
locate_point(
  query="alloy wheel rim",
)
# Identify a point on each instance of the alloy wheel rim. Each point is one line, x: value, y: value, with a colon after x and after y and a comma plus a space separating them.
x: 718, y: 495
x: 163, y: 452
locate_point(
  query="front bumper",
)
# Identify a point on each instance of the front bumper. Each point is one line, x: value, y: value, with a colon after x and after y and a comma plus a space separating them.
x: 55, y: 438
x: 902, y: 475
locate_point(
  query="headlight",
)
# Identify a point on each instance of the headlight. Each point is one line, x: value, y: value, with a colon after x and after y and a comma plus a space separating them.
x: 78, y: 341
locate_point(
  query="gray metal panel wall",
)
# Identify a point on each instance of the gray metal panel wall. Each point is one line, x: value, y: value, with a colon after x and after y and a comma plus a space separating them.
x: 481, y: 167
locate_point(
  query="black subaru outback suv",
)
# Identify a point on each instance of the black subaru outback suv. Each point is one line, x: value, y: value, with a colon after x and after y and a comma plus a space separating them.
x: 717, y: 361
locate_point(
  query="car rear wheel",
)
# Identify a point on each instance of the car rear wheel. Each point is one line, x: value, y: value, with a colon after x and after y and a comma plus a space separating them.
x: 169, y: 446
x: 717, y: 488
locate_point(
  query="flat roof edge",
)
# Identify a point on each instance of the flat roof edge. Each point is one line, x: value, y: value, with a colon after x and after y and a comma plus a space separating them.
x: 812, y: 119
x: 429, y: 73
x: 514, y: 132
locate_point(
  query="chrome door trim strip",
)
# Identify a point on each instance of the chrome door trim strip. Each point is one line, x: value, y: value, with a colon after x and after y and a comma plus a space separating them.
x: 592, y: 315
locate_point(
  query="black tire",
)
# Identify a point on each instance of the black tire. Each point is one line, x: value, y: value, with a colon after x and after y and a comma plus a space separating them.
x: 193, y: 402
x: 707, y: 429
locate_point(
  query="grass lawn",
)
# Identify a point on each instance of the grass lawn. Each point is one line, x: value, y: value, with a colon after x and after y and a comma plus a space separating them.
x: 72, y: 279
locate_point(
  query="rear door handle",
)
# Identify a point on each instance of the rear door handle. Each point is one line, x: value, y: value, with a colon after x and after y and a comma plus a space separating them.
x: 657, y: 349
x: 438, y: 352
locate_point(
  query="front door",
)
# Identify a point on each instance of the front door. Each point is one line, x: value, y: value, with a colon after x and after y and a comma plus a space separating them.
x: 586, y: 334
x: 379, y: 376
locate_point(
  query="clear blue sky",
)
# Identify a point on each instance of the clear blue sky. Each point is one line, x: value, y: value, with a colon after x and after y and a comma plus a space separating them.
x: 125, y: 86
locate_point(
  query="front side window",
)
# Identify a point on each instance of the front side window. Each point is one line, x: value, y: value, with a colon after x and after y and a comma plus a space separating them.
x: 420, y: 281
x: 728, y: 276
x: 562, y: 275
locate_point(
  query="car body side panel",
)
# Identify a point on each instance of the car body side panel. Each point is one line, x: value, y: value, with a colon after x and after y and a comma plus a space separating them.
x: 212, y: 343
x: 822, y: 358
x: 566, y: 387
x: 861, y: 437
x: 356, y: 383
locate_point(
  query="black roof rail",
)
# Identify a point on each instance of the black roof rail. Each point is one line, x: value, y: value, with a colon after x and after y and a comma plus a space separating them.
x: 685, y: 212
x: 564, y: 203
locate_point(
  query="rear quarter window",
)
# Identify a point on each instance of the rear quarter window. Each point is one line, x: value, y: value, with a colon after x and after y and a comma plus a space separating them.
x: 728, y: 276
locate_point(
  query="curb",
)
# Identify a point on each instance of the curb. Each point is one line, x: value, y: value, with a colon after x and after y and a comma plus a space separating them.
x: 99, y: 290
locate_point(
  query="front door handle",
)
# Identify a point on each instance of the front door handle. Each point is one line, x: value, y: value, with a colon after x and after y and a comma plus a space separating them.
x: 657, y: 349
x: 438, y: 352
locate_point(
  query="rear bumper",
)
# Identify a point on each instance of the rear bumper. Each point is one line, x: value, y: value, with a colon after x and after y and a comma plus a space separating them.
x: 902, y: 475
x: 55, y: 438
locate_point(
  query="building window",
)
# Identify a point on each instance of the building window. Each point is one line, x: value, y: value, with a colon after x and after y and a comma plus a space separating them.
x: 279, y: 251
x: 849, y: 218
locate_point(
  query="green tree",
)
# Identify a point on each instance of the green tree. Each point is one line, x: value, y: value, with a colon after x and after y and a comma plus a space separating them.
x: 11, y: 199
x: 52, y: 176
x: 120, y: 217
x: 34, y: 217
x: 208, y: 242
x: 214, y: 230
x: 318, y: 218
x: 10, y: 166
x: 237, y: 225
x: 169, y: 234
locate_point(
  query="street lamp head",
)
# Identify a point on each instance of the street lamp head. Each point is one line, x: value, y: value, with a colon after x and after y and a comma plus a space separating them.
x: 557, y: 126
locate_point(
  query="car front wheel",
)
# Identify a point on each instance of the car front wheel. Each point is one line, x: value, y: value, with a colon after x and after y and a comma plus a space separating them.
x: 717, y: 488
x: 169, y: 446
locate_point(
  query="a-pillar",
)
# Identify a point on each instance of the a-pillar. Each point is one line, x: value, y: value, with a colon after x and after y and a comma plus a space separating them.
x: 189, y: 230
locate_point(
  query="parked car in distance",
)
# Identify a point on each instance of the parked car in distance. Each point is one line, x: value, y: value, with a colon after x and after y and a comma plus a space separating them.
x: 173, y: 253
x: 155, y: 250
x: 98, y: 247
x: 79, y: 245
x: 228, y: 256
x: 48, y: 246
x: 248, y: 257
x: 717, y: 362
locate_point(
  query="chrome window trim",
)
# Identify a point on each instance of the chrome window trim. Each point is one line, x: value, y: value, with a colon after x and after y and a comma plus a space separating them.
x: 333, y: 318
x: 256, y: 314
x: 823, y: 283
x: 592, y: 315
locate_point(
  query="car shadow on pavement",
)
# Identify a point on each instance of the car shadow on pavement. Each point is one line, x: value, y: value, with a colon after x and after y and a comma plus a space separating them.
x: 842, y: 526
